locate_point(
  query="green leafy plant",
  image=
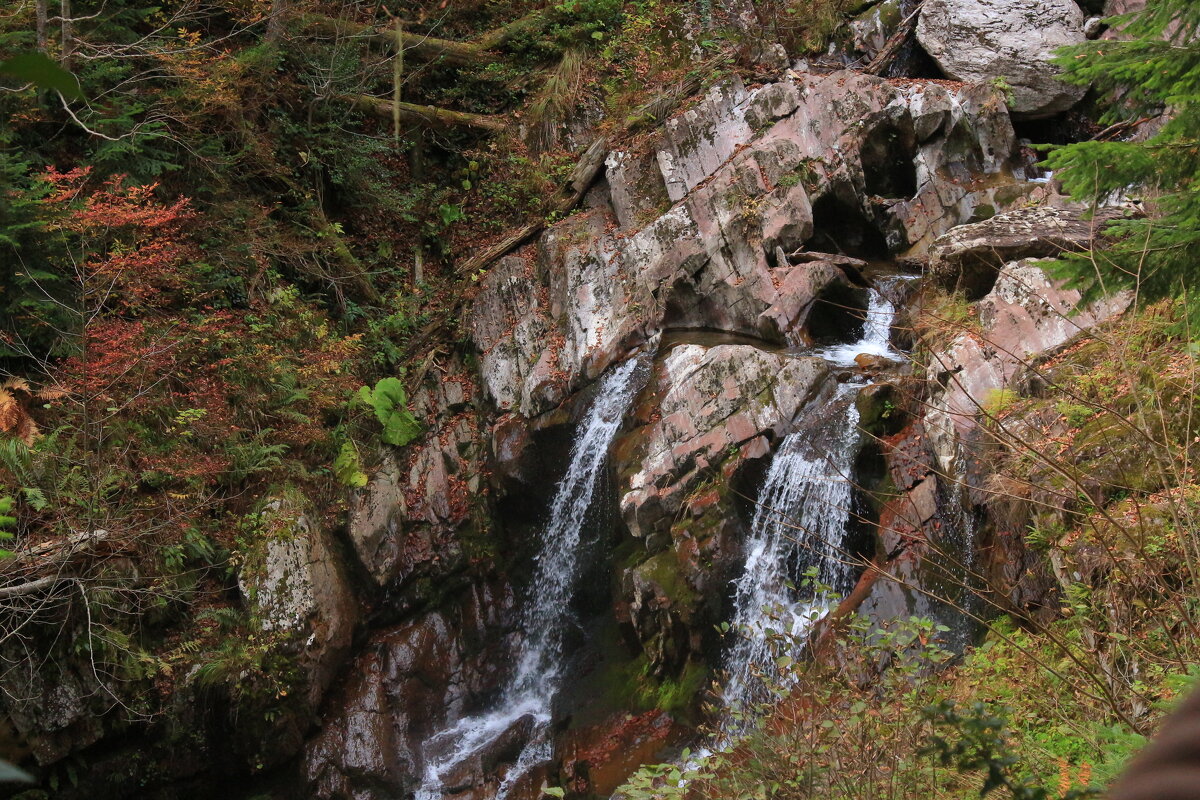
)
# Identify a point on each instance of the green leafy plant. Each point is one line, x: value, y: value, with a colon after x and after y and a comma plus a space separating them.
x: 389, y: 400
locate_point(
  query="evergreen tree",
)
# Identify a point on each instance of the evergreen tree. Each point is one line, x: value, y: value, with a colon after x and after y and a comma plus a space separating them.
x: 1155, y: 71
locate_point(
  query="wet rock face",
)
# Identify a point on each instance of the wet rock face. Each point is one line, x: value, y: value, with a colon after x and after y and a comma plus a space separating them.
x: 981, y: 40
x: 401, y: 689
x: 705, y: 405
x: 704, y: 415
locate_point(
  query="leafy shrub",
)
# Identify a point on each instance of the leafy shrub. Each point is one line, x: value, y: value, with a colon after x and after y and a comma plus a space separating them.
x: 389, y: 400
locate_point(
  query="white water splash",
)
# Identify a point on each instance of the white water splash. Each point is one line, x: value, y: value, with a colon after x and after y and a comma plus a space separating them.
x: 877, y: 329
x: 803, y: 511
x: 535, y: 681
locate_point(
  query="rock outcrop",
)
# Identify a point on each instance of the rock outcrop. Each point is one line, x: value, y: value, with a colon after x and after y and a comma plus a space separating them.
x: 969, y: 258
x: 1010, y: 40
x: 690, y: 238
x: 1023, y: 317
x: 419, y: 509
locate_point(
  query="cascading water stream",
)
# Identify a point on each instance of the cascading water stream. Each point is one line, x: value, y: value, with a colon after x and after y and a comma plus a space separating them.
x: 800, y: 522
x: 877, y: 329
x: 535, y: 681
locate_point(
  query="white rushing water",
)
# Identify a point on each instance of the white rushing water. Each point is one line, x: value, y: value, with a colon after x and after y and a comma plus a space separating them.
x: 535, y: 681
x: 800, y: 522
x: 801, y: 517
x: 877, y: 329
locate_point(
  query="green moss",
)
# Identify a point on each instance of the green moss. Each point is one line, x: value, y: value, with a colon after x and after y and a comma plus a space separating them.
x: 664, y: 571
x: 630, y: 685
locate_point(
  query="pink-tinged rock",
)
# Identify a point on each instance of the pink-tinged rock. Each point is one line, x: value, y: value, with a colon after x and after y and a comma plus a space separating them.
x: 636, y: 189
x: 701, y: 139
x: 798, y: 288
x: 910, y: 160
x: 771, y: 103
x: 406, y: 519
x: 509, y: 328
x: 701, y: 424
x: 919, y: 504
x: 1025, y: 316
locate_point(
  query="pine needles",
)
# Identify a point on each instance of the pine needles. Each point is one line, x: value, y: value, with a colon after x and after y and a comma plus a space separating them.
x: 1157, y: 74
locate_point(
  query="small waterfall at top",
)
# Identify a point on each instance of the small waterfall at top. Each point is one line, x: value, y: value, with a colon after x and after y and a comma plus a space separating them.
x: 877, y: 329
x: 535, y: 681
x: 800, y: 522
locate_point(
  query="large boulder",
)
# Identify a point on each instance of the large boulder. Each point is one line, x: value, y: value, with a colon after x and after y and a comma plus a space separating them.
x: 970, y: 257
x: 299, y: 590
x: 981, y: 40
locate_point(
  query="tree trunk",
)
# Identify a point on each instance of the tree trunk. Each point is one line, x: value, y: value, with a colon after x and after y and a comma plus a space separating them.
x: 279, y: 10
x: 68, y: 35
x: 42, y: 14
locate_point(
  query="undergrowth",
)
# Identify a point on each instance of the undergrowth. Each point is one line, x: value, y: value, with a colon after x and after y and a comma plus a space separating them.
x: 1092, y: 467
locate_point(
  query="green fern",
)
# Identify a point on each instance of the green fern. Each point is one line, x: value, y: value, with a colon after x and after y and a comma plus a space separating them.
x: 6, y: 522
x: 347, y: 467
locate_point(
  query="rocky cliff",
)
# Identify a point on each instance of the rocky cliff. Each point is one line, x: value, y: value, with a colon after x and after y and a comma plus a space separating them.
x: 728, y: 246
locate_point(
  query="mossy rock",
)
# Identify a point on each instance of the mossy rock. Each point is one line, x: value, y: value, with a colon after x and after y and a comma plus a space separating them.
x: 881, y: 410
x: 666, y: 572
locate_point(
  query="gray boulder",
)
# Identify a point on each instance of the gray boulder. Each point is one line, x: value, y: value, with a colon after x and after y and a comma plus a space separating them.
x: 970, y: 257
x: 981, y: 40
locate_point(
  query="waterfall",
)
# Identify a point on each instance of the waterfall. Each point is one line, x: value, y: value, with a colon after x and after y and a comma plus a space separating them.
x: 877, y: 328
x: 533, y: 684
x: 800, y: 522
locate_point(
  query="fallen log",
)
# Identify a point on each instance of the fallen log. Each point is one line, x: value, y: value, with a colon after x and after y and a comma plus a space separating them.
x: 895, y: 42
x: 54, y: 551
x: 581, y: 179
x: 424, y: 47
x: 429, y: 116
x: 32, y: 587
x: 417, y: 46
